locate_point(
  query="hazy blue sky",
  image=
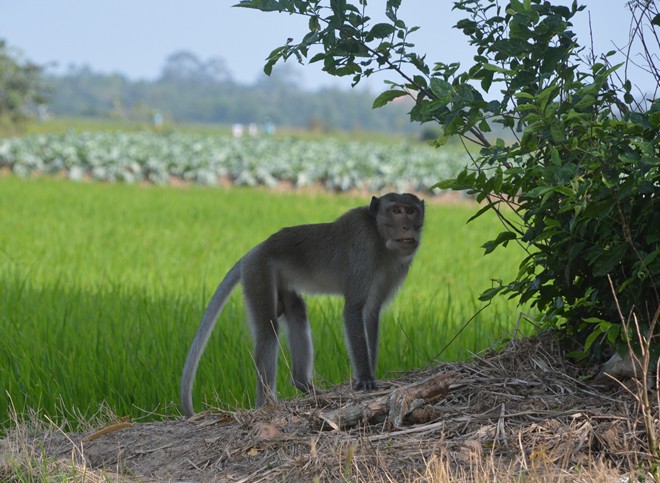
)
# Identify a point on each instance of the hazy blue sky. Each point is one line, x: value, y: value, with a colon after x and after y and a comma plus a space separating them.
x: 135, y: 36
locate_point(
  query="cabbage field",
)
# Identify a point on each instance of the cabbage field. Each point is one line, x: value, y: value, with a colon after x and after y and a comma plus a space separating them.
x: 130, y: 157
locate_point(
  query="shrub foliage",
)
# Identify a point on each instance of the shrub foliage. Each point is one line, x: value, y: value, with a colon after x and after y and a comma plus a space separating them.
x: 576, y: 182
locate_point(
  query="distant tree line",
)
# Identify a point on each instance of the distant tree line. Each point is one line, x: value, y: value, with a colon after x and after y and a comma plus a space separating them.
x: 192, y: 90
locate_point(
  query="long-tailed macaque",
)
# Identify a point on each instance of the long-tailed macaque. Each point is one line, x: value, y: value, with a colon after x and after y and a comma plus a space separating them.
x: 364, y: 255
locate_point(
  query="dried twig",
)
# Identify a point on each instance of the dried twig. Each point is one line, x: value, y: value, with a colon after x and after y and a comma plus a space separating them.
x: 396, y: 405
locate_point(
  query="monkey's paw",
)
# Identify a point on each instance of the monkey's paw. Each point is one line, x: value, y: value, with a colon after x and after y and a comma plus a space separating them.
x: 368, y: 384
x: 306, y: 387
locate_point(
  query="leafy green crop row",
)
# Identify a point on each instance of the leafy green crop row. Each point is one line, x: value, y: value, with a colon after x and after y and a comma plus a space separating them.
x: 247, y: 161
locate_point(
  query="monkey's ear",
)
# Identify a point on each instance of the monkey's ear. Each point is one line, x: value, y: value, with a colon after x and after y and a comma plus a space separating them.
x: 373, y: 207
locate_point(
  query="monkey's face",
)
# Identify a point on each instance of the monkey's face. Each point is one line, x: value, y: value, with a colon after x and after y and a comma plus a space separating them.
x: 400, y: 218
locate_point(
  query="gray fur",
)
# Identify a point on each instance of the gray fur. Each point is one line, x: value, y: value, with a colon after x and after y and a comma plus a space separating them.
x: 364, y: 256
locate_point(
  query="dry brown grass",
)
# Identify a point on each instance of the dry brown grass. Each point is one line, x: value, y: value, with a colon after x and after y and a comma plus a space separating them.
x: 521, y: 414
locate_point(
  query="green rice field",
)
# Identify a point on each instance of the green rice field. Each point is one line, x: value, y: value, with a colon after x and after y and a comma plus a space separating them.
x: 102, y: 287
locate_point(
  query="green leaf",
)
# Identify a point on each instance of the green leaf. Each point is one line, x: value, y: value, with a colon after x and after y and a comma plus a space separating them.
x: 318, y: 57
x: 551, y: 58
x: 498, y: 179
x: 380, y: 31
x: 445, y: 184
x: 517, y: 7
x: 419, y: 82
x: 467, y: 26
x: 488, y: 294
x: 554, y: 156
x: 386, y: 97
x: 314, y: 24
x: 487, y: 80
x: 591, y: 338
x: 440, y: 87
x: 274, y: 57
x: 585, y: 102
x: 497, y: 68
x: 537, y: 191
x: 547, y: 95
x: 648, y: 259
x: 483, y: 210
x: 656, y: 20
x: 557, y: 132
x: 609, y: 259
x: 268, y: 67
x: 594, y: 320
x: 502, y: 239
x: 524, y: 95
x: 484, y: 126
x: 599, y: 209
x: 263, y: 5
x: 613, y: 333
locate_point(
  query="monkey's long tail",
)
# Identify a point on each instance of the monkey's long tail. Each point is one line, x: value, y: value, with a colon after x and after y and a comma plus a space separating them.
x: 203, y: 334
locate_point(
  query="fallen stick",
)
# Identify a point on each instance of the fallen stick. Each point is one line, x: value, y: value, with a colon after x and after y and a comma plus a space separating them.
x: 395, y: 406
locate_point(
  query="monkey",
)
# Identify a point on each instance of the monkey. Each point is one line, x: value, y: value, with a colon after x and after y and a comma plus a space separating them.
x: 363, y: 255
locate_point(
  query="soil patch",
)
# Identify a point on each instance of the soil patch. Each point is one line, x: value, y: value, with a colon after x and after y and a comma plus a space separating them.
x: 521, y: 411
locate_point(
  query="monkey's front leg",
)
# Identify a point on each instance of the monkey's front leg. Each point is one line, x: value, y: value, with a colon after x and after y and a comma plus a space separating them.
x: 358, y: 348
x: 371, y: 324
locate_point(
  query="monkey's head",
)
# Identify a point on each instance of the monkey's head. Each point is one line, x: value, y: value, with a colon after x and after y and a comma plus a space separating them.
x: 399, y: 218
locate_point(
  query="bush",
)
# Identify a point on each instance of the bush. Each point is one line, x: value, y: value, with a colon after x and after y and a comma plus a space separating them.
x: 582, y: 179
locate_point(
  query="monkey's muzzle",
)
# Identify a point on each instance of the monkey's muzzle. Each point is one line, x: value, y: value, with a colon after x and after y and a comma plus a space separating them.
x: 406, y: 241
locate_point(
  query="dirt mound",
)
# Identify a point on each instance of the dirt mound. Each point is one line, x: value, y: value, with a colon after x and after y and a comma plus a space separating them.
x: 522, y: 410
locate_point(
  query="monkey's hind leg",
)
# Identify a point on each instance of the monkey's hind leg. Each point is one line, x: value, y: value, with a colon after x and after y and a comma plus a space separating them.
x: 264, y: 326
x: 300, y: 339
